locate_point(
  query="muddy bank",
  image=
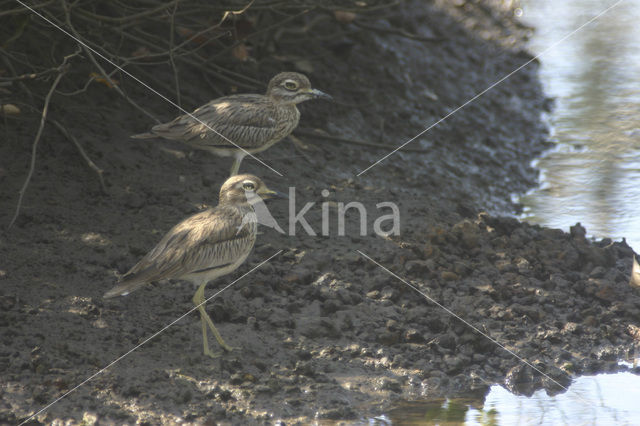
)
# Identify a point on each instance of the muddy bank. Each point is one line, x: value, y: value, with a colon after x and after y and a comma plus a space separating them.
x: 322, y: 332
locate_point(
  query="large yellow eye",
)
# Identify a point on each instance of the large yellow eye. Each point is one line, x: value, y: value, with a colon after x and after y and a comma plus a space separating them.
x: 248, y: 186
x: 290, y: 85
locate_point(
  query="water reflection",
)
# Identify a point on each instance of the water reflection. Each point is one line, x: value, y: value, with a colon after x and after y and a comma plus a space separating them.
x: 605, y: 399
x: 593, y: 174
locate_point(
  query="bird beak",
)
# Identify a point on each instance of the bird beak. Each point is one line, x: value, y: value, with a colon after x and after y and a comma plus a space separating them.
x: 320, y: 94
x: 268, y: 193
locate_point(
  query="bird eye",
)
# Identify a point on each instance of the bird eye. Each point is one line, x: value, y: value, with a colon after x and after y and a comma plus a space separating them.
x: 248, y: 186
x: 290, y: 85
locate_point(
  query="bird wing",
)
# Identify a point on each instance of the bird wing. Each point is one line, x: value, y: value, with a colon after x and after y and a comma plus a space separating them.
x: 247, y: 120
x: 210, y: 239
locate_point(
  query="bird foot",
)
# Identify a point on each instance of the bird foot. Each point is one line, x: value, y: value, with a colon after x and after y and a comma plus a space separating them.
x: 228, y: 348
x: 213, y: 354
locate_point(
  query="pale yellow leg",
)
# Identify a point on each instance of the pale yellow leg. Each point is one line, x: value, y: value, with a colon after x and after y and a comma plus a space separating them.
x: 237, y: 159
x: 198, y: 300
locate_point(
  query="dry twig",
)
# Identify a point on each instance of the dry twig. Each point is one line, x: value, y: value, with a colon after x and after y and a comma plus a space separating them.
x: 83, y: 153
x: 62, y: 69
x: 105, y: 75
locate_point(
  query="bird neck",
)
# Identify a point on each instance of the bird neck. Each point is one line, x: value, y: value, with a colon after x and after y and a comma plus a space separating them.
x: 238, y: 202
x: 285, y: 102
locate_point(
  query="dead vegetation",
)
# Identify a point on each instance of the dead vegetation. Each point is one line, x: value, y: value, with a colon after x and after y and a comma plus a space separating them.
x: 55, y: 52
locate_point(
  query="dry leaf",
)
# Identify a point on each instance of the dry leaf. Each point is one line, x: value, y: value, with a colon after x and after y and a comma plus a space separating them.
x: 240, y: 52
x: 97, y: 77
x: 344, y: 17
x: 9, y: 109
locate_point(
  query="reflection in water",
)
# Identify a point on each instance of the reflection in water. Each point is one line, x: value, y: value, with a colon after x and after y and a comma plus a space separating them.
x: 593, y: 174
x: 605, y: 399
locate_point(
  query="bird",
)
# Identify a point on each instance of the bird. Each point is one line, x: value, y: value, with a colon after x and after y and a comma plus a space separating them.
x: 204, y: 246
x: 238, y: 125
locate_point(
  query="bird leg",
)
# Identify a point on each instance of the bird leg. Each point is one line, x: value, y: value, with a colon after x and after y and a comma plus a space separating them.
x: 198, y: 300
x: 235, y: 167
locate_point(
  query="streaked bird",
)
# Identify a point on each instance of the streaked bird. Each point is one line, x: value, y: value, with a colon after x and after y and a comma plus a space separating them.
x: 252, y: 122
x: 205, y: 246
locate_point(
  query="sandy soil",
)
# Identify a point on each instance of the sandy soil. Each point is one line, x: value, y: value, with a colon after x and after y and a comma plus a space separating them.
x: 322, y: 332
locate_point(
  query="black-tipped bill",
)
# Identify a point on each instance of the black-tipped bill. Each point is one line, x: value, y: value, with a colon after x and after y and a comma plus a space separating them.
x: 273, y: 194
x: 318, y: 94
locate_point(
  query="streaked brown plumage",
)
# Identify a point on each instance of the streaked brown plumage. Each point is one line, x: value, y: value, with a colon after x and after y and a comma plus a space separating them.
x: 252, y: 122
x: 204, y: 246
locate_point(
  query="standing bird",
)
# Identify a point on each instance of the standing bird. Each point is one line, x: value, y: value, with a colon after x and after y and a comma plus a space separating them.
x: 242, y: 124
x: 204, y: 246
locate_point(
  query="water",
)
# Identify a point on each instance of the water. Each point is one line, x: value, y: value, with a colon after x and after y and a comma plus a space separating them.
x: 592, y: 175
x: 605, y: 399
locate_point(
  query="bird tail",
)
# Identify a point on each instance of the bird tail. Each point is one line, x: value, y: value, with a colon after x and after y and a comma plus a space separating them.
x: 123, y: 289
x: 143, y: 136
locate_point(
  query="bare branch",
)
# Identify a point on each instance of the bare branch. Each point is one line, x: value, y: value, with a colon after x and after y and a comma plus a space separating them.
x: 105, y: 75
x: 83, y: 153
x: 62, y: 69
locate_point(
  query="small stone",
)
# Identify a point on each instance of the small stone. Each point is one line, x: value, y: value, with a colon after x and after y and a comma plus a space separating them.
x: 391, y: 385
x: 416, y: 266
x: 375, y: 294
x: 577, y: 231
x: 598, y: 272
x: 388, y: 338
x: 449, y: 276
x: 413, y: 336
x: 392, y: 325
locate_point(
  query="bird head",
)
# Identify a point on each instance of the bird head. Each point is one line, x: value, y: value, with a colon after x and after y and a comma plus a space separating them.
x: 246, y: 189
x: 293, y: 88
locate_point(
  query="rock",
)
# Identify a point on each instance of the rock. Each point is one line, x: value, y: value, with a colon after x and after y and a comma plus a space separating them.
x: 318, y: 327
x: 598, y: 272
x: 449, y: 276
x: 416, y: 267
x: 388, y: 338
x: 340, y: 413
x: 390, y: 385
x: 447, y: 341
x: 413, y: 336
x: 521, y: 380
x: 578, y: 231
x: 305, y: 368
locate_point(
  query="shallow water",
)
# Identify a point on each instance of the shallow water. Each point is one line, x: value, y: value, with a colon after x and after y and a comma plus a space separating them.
x: 605, y: 399
x: 592, y: 175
